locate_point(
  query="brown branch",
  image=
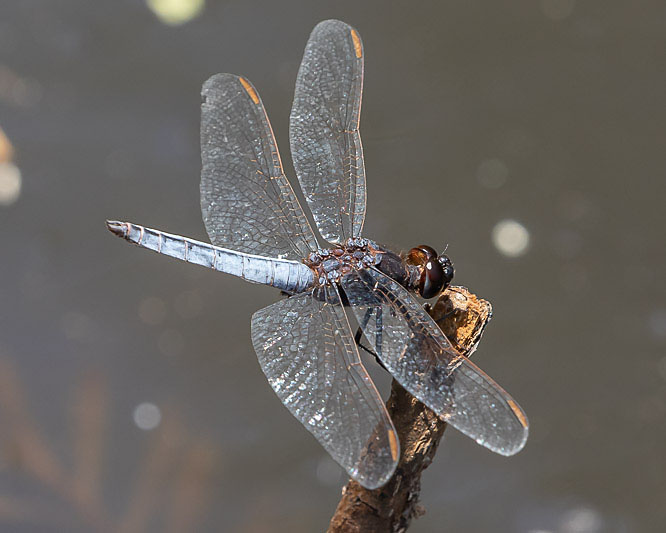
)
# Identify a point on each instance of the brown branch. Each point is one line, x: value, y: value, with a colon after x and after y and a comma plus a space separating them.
x: 191, y: 492
x: 462, y: 317
x: 89, y: 419
x: 6, y: 148
x: 153, y: 475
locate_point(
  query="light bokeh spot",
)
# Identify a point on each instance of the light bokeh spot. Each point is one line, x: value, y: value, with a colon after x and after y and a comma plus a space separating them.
x: 189, y: 304
x: 662, y: 367
x: 171, y: 343
x: 492, y: 173
x: 147, y: 416
x: 582, y: 520
x: 175, y: 12
x: 152, y: 310
x: 329, y: 473
x: 657, y: 322
x: 78, y: 327
x: 10, y: 183
x: 510, y: 238
x: 557, y: 9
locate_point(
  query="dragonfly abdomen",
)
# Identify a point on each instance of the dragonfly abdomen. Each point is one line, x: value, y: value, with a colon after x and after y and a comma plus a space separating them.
x: 284, y: 274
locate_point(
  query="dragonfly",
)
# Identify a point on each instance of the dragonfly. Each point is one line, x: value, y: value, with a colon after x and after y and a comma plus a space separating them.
x: 260, y: 232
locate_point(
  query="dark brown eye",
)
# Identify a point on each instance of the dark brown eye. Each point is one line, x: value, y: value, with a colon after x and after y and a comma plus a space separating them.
x: 421, y: 255
x: 416, y: 257
x: 433, y: 276
x: 432, y: 279
x: 427, y: 251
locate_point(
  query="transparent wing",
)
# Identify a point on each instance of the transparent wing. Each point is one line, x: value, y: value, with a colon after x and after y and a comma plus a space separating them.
x: 307, y: 352
x: 421, y: 359
x: 325, y: 142
x: 247, y: 203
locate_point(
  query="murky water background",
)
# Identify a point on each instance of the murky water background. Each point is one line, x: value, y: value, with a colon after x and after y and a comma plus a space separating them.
x: 529, y: 136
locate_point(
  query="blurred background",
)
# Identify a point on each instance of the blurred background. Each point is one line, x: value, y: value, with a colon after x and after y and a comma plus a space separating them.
x: 526, y: 135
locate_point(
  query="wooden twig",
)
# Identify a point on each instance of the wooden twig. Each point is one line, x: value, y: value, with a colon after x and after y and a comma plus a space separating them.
x: 462, y: 317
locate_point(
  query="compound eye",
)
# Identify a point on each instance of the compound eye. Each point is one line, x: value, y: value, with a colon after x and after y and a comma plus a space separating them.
x: 428, y: 251
x: 432, y: 279
x: 421, y: 255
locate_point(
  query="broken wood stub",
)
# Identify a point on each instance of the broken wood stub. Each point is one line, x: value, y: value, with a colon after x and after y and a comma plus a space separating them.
x: 462, y: 317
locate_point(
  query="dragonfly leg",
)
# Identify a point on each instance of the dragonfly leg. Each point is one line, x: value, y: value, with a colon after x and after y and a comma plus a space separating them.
x: 357, y: 339
x: 446, y: 316
x: 379, y: 330
x: 359, y: 334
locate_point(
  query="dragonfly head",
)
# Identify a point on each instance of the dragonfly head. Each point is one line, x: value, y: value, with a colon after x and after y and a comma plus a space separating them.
x: 436, y: 270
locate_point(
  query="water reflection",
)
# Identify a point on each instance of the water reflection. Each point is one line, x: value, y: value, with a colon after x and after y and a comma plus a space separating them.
x: 548, y: 114
x: 174, y: 467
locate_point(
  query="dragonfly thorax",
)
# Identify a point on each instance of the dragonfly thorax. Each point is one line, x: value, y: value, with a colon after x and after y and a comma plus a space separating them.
x: 330, y: 264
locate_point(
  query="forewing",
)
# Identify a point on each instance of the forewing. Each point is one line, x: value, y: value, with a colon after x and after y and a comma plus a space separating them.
x: 306, y: 350
x: 325, y: 141
x: 419, y: 356
x: 247, y: 203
